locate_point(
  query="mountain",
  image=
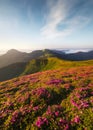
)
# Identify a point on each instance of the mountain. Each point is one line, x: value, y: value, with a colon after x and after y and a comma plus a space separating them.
x: 79, y: 56
x: 12, y: 71
x: 38, y: 65
x: 60, y: 99
x: 13, y: 51
x: 14, y: 56
x: 15, y: 63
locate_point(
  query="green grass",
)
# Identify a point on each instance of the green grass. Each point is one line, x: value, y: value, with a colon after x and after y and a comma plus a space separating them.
x: 60, y: 99
x: 51, y: 63
x: 38, y: 65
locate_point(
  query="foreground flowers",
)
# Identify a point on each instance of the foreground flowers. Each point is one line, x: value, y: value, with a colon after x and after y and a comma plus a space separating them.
x: 50, y: 100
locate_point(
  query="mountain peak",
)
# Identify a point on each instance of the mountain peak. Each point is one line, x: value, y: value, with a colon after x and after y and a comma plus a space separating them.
x: 13, y: 51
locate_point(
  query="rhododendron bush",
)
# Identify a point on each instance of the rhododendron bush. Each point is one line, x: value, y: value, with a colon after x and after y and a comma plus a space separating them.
x: 49, y: 100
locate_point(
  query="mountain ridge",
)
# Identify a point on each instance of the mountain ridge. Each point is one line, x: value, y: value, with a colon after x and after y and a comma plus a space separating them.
x: 14, y: 56
x: 15, y: 63
x: 38, y: 65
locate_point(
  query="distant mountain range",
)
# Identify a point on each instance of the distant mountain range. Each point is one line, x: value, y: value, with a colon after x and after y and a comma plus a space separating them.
x: 15, y: 63
x: 78, y: 56
x: 14, y: 56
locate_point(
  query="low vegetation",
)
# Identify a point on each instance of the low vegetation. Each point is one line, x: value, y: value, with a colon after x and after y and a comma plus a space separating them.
x: 52, y: 63
x: 58, y: 99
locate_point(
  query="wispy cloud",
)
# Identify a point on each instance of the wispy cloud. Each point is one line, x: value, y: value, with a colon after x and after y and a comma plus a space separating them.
x: 70, y: 15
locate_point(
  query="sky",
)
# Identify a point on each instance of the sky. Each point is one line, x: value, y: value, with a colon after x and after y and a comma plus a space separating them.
x: 37, y: 24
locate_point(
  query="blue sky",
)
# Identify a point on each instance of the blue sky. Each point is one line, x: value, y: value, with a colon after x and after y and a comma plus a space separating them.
x: 37, y: 24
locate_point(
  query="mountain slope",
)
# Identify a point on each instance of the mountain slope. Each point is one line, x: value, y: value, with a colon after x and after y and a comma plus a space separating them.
x: 14, y: 56
x: 56, y: 99
x: 38, y: 65
x: 12, y: 71
x: 79, y: 56
x: 52, y: 63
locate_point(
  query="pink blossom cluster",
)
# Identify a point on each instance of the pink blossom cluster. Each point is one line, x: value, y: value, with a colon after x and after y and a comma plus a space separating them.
x: 41, y: 121
x: 15, y: 116
x: 54, y: 82
x: 54, y: 111
x: 76, y: 119
x: 79, y: 99
x: 41, y: 92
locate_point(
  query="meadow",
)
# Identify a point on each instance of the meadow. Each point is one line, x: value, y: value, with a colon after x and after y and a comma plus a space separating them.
x: 59, y: 99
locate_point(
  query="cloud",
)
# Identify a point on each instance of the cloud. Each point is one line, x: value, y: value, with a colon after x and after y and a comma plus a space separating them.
x: 69, y: 15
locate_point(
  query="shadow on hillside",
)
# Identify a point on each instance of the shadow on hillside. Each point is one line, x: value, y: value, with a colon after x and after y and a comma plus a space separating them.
x: 59, y: 95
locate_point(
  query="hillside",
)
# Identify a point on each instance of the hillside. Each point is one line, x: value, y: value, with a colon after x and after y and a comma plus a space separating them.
x: 38, y: 65
x: 11, y: 71
x: 79, y: 56
x: 59, y: 99
x: 52, y: 63
x: 11, y: 57
x: 14, y: 56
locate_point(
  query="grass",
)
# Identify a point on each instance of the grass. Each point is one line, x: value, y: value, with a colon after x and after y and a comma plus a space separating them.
x: 60, y: 99
x: 51, y: 63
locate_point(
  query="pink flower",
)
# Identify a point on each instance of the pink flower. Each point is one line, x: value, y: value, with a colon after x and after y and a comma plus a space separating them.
x: 91, y: 93
x: 41, y: 121
x: 67, y: 127
x: 42, y: 93
x: 62, y: 121
x: 15, y: 116
x: 54, y: 81
x: 84, y: 104
x: 36, y: 108
x: 76, y: 119
x: 57, y: 113
x: 74, y: 103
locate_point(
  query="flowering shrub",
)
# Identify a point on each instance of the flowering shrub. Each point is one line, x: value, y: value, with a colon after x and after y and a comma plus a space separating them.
x: 41, y: 93
x: 50, y: 100
x: 41, y: 122
x: 54, y: 82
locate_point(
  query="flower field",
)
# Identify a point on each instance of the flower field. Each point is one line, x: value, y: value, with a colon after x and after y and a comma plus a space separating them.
x: 59, y: 99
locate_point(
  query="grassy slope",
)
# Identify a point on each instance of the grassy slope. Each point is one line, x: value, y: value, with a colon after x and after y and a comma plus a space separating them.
x: 55, y: 99
x: 51, y: 63
x: 36, y: 65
